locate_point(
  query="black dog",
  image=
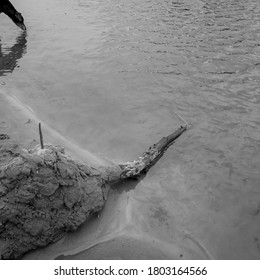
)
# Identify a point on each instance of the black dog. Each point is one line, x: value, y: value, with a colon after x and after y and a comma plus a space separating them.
x: 7, y: 8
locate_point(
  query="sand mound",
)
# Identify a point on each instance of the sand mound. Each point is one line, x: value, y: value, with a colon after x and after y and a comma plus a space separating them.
x: 43, y: 194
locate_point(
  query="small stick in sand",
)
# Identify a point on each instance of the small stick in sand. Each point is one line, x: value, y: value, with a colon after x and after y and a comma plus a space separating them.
x: 41, y: 138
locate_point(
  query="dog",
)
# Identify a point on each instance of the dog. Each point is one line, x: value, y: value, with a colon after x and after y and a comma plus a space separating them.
x: 7, y: 8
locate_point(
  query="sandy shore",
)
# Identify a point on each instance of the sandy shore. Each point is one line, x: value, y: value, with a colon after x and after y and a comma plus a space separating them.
x: 20, y: 122
x: 118, y: 239
x: 111, y: 237
x: 14, y: 123
x: 124, y: 229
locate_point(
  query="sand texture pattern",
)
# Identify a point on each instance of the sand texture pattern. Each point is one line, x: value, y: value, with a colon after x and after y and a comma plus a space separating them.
x: 43, y: 194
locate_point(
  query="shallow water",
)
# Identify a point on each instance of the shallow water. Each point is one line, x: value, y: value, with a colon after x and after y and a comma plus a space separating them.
x: 111, y: 76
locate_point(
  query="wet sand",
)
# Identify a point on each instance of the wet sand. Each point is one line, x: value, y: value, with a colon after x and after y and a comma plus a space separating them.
x: 121, y: 231
x: 21, y: 123
x: 106, y: 81
x: 112, y: 235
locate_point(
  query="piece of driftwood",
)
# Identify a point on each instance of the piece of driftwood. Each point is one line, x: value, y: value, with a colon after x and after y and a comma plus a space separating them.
x: 44, y: 193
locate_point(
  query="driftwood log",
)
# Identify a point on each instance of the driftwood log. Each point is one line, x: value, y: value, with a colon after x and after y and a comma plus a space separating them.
x: 44, y: 193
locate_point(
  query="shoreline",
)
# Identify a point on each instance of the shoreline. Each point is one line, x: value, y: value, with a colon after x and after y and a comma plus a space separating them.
x: 19, y: 133
x: 20, y: 123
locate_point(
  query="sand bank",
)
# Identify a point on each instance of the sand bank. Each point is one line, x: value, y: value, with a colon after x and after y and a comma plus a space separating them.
x: 20, y: 122
x: 45, y: 210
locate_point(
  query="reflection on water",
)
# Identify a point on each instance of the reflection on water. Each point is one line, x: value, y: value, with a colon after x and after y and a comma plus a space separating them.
x: 111, y: 74
x: 9, y: 56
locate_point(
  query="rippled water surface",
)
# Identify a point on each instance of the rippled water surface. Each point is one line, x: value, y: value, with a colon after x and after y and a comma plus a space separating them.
x: 112, y: 77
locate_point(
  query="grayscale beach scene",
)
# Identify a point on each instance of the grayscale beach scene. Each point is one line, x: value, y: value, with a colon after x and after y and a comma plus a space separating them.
x: 106, y: 80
